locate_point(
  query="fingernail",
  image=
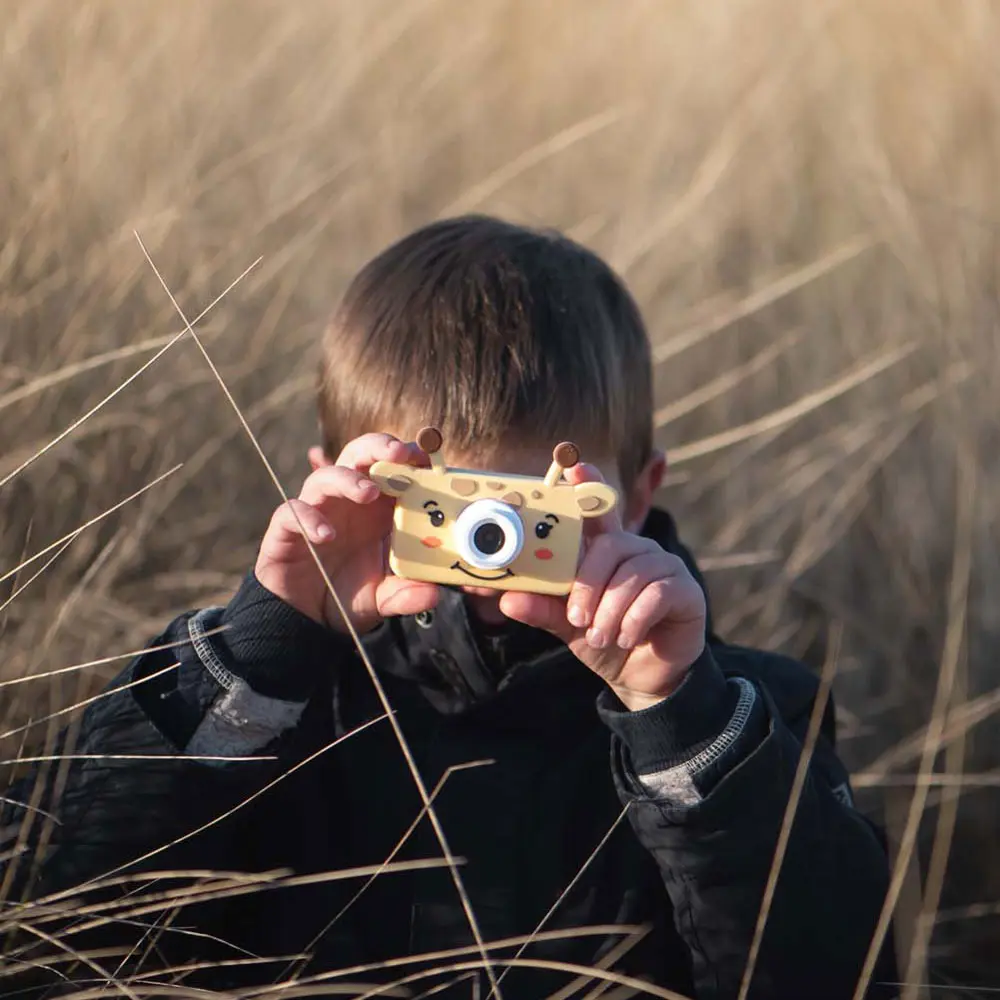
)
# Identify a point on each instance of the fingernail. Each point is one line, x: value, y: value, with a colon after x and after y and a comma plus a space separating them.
x: 576, y: 615
x: 596, y: 638
x: 323, y: 532
x: 363, y: 484
x: 625, y: 641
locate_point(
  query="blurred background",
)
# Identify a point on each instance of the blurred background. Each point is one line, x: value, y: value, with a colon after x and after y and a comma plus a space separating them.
x: 803, y: 197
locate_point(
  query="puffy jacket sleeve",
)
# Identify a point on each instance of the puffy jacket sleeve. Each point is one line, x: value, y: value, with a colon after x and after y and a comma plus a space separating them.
x: 708, y: 775
x: 184, y: 735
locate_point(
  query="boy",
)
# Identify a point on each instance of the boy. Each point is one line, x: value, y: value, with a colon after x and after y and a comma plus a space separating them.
x: 620, y: 695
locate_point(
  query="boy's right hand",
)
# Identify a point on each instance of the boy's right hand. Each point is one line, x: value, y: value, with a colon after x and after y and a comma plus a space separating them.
x: 349, y: 521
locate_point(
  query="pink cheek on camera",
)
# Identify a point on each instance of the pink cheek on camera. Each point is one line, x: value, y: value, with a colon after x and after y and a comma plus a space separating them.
x: 543, y: 553
x: 431, y: 542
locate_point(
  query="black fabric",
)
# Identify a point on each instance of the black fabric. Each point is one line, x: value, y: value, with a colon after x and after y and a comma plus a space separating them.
x: 529, y: 781
x: 665, y: 734
x: 504, y: 647
x: 257, y: 634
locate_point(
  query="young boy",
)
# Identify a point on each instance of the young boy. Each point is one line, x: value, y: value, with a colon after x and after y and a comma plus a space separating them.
x: 570, y: 709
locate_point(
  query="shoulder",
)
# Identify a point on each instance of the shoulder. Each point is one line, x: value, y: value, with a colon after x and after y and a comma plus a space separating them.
x: 791, y: 686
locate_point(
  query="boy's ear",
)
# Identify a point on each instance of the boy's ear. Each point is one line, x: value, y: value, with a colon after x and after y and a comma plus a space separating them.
x: 318, y: 458
x: 594, y: 499
x: 640, y: 497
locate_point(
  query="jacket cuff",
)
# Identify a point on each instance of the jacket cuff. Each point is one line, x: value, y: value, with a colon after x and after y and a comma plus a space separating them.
x: 277, y: 650
x: 680, y: 748
x: 666, y: 733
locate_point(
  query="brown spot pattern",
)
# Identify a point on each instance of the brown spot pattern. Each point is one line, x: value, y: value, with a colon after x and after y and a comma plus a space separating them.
x: 400, y: 483
x: 464, y: 487
x: 514, y: 499
x: 537, y: 494
x: 493, y: 484
x: 590, y: 503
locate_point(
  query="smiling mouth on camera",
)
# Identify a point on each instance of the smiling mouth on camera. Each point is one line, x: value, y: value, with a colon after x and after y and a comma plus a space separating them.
x: 480, y: 576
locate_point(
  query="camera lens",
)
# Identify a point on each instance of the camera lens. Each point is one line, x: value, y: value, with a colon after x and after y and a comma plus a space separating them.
x: 488, y: 538
x: 488, y: 535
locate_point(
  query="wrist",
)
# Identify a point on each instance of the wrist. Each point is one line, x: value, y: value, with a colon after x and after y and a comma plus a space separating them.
x: 277, y: 580
x: 667, y: 731
x: 635, y: 700
x: 272, y: 645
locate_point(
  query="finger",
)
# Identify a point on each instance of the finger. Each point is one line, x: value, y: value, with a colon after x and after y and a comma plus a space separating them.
x: 397, y: 596
x: 539, y: 611
x: 677, y: 599
x: 630, y: 579
x: 338, y: 482
x: 289, y: 522
x: 363, y: 452
x: 584, y: 472
x: 603, y: 556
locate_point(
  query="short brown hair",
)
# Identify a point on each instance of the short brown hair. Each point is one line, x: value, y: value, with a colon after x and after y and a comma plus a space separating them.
x: 498, y: 335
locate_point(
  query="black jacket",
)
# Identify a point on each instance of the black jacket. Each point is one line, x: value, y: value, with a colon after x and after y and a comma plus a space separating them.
x: 670, y: 894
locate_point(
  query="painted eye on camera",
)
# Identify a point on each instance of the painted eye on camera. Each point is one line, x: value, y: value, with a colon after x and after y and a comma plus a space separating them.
x: 544, y: 528
x: 436, y: 516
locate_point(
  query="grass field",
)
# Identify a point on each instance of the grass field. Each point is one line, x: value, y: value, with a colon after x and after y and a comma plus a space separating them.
x: 803, y: 198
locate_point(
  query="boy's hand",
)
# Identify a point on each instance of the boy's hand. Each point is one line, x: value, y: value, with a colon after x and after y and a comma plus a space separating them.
x: 349, y: 521
x: 635, y: 615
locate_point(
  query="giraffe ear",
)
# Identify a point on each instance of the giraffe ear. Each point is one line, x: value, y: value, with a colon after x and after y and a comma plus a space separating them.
x: 594, y: 499
x: 391, y: 478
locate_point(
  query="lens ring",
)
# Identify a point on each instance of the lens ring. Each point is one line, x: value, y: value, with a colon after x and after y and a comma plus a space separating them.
x: 486, y: 519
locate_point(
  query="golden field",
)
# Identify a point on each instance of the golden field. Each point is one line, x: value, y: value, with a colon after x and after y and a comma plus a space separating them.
x: 803, y: 197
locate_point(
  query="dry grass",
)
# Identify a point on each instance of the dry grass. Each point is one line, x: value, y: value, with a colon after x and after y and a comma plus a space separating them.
x: 802, y: 196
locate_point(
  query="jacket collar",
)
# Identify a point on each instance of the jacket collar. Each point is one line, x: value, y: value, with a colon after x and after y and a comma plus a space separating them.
x: 458, y: 663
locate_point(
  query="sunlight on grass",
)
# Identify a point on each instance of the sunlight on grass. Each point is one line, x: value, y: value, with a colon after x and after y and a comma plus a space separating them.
x: 804, y: 200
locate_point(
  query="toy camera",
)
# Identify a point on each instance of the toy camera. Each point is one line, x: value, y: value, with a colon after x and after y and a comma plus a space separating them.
x: 466, y: 527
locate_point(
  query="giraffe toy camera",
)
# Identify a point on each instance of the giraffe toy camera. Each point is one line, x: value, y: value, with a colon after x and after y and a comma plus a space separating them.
x: 465, y: 527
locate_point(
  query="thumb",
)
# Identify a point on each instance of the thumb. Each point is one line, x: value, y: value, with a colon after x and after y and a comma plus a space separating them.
x: 540, y: 611
x: 396, y: 595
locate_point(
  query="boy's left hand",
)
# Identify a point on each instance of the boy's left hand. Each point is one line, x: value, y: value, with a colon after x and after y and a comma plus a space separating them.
x: 635, y: 615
